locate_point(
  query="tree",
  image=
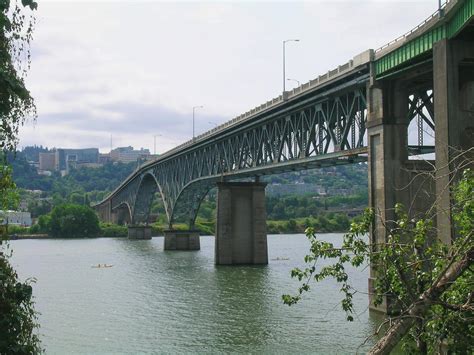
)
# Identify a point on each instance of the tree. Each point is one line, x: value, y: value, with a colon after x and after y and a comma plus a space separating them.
x: 428, y: 282
x: 74, y: 221
x: 17, y: 316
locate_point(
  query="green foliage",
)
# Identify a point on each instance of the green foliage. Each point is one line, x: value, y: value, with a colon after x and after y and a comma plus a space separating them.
x: 8, y: 194
x: 73, y: 221
x: 18, y: 230
x: 109, y: 230
x: 17, y: 316
x: 408, y: 263
x: 300, y: 206
x: 15, y: 101
x: 44, y: 223
x: 324, y: 223
x: 18, y: 319
x: 85, y: 184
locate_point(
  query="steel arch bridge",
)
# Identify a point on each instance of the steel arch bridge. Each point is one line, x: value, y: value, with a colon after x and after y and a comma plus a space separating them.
x: 325, y: 129
x: 320, y: 123
x: 321, y: 129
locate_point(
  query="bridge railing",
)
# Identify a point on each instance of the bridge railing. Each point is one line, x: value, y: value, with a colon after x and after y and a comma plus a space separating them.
x: 357, y: 61
x: 403, y: 37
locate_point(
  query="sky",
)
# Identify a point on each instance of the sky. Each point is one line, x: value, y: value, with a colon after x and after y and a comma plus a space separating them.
x: 133, y: 70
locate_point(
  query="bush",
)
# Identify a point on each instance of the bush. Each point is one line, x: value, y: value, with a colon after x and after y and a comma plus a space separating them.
x: 74, y: 221
x: 12, y: 229
x: 35, y: 229
x: 109, y: 230
x: 44, y: 223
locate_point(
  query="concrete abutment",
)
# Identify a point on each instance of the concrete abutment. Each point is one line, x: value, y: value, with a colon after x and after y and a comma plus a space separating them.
x: 241, y: 231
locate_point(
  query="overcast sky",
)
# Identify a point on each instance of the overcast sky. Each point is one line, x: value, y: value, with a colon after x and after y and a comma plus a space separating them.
x: 135, y: 69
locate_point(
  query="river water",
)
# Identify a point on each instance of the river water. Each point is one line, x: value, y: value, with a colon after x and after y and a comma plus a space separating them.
x: 156, y: 301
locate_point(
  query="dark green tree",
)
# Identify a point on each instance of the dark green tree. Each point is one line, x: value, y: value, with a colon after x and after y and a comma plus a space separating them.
x: 74, y: 221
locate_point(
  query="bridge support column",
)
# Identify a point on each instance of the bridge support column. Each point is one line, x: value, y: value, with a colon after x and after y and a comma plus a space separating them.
x: 182, y: 240
x: 388, y: 151
x: 392, y: 177
x: 139, y: 232
x: 453, y: 81
x: 241, y: 231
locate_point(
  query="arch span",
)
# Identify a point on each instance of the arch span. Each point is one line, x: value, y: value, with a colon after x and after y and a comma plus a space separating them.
x: 144, y: 198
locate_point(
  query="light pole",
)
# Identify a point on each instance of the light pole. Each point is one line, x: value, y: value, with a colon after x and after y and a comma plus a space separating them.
x: 213, y: 123
x: 297, y: 81
x: 194, y: 110
x: 284, y: 76
x: 154, y: 142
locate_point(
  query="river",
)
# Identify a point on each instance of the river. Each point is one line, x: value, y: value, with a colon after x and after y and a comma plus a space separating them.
x: 156, y: 301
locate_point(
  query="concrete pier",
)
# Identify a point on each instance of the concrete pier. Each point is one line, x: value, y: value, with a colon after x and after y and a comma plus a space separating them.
x: 182, y: 240
x: 241, y: 231
x: 453, y: 87
x: 393, y: 178
x: 139, y: 232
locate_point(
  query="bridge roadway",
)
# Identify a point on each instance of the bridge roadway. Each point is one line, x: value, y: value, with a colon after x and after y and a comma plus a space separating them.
x: 358, y: 112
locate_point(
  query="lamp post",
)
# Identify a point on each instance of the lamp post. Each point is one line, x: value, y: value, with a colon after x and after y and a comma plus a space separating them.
x: 154, y: 142
x: 297, y: 81
x: 194, y: 110
x: 213, y: 123
x: 284, y: 76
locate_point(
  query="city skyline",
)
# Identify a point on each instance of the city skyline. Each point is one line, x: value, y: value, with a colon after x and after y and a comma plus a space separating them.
x: 136, y: 70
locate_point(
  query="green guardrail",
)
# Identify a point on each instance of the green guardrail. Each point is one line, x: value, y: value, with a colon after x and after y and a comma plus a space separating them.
x: 424, y: 42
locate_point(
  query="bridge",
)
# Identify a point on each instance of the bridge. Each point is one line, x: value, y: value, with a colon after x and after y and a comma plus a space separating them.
x: 359, y: 112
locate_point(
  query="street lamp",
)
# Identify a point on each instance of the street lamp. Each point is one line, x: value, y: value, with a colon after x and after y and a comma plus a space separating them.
x: 194, y: 109
x: 154, y: 142
x: 284, y: 76
x: 297, y: 81
x: 213, y: 123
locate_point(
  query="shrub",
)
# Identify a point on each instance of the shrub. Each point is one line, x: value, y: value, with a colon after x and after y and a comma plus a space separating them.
x: 109, y: 230
x: 74, y: 221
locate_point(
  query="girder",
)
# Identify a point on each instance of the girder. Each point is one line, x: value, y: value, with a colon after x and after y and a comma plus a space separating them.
x: 326, y: 129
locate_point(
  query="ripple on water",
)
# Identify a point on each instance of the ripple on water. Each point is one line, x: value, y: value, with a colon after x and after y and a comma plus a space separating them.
x: 153, y: 300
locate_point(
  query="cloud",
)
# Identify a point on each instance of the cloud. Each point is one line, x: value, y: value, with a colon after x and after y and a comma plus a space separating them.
x: 136, y: 69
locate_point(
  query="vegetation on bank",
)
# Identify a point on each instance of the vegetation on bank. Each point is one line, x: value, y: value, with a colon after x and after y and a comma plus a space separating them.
x: 76, y: 221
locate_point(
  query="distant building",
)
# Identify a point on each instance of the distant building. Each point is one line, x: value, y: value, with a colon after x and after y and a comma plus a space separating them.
x: 67, y: 158
x: 47, y: 161
x: 15, y: 218
x: 104, y: 158
x: 128, y: 154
